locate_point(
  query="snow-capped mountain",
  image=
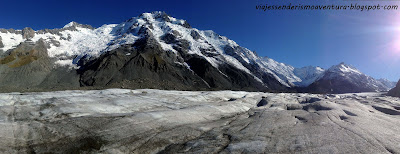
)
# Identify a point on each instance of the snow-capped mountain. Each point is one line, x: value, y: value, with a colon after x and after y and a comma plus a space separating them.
x: 387, y: 83
x: 283, y: 72
x: 152, y: 46
x: 75, y: 44
x: 153, y: 50
x: 343, y: 78
x: 308, y: 75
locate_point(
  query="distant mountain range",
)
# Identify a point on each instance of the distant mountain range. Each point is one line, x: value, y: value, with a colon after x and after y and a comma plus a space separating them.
x: 155, y: 50
x: 344, y: 78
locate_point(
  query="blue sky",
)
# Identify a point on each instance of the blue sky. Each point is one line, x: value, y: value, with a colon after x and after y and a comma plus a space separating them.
x: 368, y: 40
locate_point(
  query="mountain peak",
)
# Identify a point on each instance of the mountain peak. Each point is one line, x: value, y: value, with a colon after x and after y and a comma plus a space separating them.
x: 344, y: 68
x: 384, y: 79
x: 308, y: 75
x: 163, y: 17
x: 344, y: 78
x: 70, y: 24
x: 155, y: 15
x: 74, y: 24
x: 388, y: 83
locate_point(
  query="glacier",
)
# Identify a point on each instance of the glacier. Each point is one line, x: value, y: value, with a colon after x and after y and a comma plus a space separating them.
x: 153, y: 121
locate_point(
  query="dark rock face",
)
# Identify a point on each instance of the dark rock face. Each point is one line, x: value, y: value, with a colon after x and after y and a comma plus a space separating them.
x: 164, y: 16
x: 138, y: 70
x: 186, y: 25
x: 1, y: 43
x: 395, y: 91
x: 146, y: 65
x: 11, y: 30
x: 141, y: 65
x: 28, y: 68
x: 169, y: 38
x: 195, y: 35
x: 262, y: 102
x: 51, y: 31
x: 28, y: 33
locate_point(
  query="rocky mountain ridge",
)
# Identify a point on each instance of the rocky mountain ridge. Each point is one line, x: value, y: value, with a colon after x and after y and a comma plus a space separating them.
x: 153, y: 50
